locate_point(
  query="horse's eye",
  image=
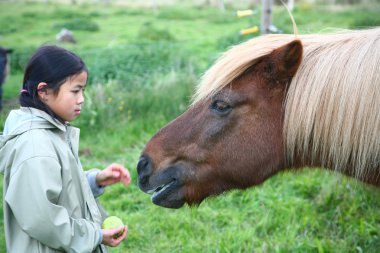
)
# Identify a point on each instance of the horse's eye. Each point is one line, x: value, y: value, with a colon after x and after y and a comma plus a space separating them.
x: 220, y: 107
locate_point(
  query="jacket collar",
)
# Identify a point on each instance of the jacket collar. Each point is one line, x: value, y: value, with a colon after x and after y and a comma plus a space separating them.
x: 41, y: 114
x: 25, y: 119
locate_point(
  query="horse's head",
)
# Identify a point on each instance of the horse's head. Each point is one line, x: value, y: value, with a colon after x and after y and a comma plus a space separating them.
x: 230, y: 139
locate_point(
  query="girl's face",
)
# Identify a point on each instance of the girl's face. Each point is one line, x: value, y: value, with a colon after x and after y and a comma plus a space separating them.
x: 67, y: 103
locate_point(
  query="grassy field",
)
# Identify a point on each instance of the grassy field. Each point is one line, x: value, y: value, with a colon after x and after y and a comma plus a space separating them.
x: 144, y: 66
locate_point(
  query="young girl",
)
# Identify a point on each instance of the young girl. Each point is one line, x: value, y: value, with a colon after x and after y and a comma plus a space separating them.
x: 49, y: 203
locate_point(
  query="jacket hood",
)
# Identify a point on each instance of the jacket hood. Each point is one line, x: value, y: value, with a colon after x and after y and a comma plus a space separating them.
x: 25, y: 119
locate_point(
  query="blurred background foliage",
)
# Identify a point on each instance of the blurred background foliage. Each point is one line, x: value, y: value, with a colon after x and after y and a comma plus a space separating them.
x: 145, y: 59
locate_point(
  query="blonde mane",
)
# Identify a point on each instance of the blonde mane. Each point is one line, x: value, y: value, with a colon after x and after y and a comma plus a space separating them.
x: 332, y: 109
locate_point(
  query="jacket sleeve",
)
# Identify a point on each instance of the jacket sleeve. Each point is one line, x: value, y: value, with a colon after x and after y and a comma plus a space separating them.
x: 91, y: 178
x: 32, y: 195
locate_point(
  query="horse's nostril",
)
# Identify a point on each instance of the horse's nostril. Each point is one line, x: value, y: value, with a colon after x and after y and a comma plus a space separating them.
x: 142, y: 164
x: 144, y: 169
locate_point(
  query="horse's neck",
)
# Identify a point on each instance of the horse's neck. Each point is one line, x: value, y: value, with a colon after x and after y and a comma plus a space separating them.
x: 372, y: 177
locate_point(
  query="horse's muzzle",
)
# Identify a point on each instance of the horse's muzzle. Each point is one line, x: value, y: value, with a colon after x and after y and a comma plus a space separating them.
x: 165, y: 185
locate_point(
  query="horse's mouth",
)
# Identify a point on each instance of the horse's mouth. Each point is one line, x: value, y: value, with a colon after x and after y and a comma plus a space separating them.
x: 166, y: 186
x: 168, y: 195
x: 162, y: 191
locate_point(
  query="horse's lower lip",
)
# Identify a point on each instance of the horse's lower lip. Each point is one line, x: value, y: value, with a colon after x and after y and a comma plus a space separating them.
x: 167, y: 195
x: 162, y: 188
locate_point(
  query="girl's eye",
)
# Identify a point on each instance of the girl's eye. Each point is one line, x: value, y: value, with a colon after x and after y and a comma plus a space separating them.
x: 220, y: 107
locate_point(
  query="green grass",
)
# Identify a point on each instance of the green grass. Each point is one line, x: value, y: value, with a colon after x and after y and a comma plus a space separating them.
x: 144, y: 66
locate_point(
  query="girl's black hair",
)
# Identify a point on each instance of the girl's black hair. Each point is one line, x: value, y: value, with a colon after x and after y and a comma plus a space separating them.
x: 52, y: 65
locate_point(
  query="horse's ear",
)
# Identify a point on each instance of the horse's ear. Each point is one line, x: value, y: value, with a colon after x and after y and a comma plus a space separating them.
x: 282, y: 64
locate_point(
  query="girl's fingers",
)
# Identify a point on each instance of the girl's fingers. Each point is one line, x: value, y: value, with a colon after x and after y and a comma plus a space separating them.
x: 123, y: 175
x: 119, y: 239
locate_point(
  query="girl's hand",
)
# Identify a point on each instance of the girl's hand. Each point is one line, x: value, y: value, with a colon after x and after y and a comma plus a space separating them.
x: 113, y: 174
x: 110, y: 236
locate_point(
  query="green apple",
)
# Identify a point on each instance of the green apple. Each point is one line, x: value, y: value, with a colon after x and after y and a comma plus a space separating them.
x: 113, y: 222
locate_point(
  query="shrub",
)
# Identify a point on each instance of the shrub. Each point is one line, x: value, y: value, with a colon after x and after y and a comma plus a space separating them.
x: 133, y: 64
x: 9, y: 25
x: 20, y: 57
x: 113, y: 102
x: 152, y: 33
x: 82, y: 24
x: 229, y: 40
x: 178, y: 14
x: 67, y: 14
x: 134, y: 81
x: 366, y: 21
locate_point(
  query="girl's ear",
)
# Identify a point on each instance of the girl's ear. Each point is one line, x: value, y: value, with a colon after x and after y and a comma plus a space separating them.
x: 41, y: 90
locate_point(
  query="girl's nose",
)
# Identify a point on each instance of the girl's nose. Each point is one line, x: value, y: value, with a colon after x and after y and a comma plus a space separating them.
x: 81, y: 98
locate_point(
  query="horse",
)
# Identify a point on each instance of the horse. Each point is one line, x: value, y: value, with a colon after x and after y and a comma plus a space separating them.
x: 278, y: 102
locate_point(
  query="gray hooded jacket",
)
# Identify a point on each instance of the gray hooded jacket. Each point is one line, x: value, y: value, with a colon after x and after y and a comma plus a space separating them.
x: 48, y: 204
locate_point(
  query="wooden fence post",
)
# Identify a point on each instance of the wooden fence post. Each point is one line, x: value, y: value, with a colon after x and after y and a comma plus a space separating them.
x: 266, y: 16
